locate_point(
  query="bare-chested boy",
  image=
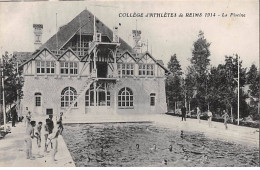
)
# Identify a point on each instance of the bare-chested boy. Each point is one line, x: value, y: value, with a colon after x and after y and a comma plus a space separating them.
x: 29, y: 134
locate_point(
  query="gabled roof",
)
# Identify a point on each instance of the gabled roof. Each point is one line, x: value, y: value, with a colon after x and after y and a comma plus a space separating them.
x: 156, y: 61
x: 85, y: 21
x: 126, y: 52
x: 68, y: 50
x: 39, y: 52
x: 32, y: 56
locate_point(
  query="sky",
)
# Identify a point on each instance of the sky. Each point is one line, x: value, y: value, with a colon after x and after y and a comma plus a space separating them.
x: 165, y: 36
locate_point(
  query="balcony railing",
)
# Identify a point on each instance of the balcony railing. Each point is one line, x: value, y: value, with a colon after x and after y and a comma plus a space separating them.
x: 79, y: 53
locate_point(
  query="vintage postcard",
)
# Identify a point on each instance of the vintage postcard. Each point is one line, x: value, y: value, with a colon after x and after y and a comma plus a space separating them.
x: 129, y: 83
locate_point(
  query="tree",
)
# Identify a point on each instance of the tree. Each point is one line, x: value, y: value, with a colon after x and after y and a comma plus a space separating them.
x: 173, y: 82
x: 200, y: 62
x: 189, y: 86
x: 252, y: 78
x: 174, y: 66
x: 223, y: 87
x: 13, y: 81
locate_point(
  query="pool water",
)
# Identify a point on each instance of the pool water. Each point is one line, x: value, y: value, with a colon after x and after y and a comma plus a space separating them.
x: 115, y: 144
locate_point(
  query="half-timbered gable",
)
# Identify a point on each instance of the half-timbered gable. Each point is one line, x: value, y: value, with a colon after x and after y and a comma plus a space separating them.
x: 42, y: 63
x: 126, y: 65
x: 146, y: 65
x: 70, y: 64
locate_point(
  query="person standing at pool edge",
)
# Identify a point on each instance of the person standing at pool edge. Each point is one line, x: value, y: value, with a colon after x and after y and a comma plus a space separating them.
x: 183, y: 113
x: 53, y: 138
x: 210, y: 118
x: 28, y: 117
x: 50, y: 125
x: 46, y: 133
x: 198, y: 113
x: 225, y: 116
x: 38, y: 137
x: 29, y: 134
x: 61, y: 125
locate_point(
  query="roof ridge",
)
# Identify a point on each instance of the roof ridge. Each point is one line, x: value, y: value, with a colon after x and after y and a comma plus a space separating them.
x: 84, y: 20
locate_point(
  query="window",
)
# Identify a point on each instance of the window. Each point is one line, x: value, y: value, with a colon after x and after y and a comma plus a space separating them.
x: 108, y: 98
x: 125, y: 69
x: 152, y: 99
x: 50, y: 67
x: 40, y: 67
x: 69, y: 68
x: 87, y: 98
x: 68, y: 95
x: 47, y: 67
x: 37, y: 99
x: 125, y: 98
x: 146, y: 69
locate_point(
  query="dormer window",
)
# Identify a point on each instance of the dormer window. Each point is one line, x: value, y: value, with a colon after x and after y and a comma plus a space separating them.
x: 125, y: 69
x: 50, y: 67
x: 45, y: 67
x: 146, y: 69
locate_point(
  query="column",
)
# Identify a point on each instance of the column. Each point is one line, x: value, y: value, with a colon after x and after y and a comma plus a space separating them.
x: 106, y: 93
x: 95, y: 64
x: 115, y: 99
x: 95, y: 93
x: 115, y: 64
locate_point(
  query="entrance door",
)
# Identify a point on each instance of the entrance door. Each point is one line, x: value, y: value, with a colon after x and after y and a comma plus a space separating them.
x: 102, y: 69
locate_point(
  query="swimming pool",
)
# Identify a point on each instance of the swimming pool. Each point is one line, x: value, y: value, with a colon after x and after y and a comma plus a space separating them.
x: 116, y: 144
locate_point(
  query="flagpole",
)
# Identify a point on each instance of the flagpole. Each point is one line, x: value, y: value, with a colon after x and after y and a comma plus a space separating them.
x: 237, y: 90
x: 18, y: 103
x: 80, y: 50
x: 94, y: 28
x: 57, y: 33
x: 3, y: 90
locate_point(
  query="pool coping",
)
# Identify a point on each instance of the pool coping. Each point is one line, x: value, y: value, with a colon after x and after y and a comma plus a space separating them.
x: 106, y: 122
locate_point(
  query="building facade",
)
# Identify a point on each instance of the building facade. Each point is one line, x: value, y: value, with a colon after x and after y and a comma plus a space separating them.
x: 85, y: 68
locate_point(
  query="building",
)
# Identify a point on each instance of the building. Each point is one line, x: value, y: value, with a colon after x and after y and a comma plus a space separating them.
x: 85, y: 68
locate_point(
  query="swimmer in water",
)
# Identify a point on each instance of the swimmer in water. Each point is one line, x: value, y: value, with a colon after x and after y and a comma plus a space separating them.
x: 137, y: 146
x: 186, y: 158
x: 153, y: 148
x: 170, y: 148
x: 164, y: 162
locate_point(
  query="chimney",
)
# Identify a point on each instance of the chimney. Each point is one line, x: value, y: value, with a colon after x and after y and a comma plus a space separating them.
x: 37, y: 35
x: 115, y: 35
x: 137, y: 40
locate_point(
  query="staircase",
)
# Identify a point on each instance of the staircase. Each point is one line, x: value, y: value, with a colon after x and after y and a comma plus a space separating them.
x: 80, y: 94
x: 92, y: 46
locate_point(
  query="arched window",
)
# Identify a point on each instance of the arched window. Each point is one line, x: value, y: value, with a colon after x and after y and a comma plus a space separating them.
x: 37, y: 99
x: 125, y: 98
x: 102, y: 96
x: 68, y: 95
